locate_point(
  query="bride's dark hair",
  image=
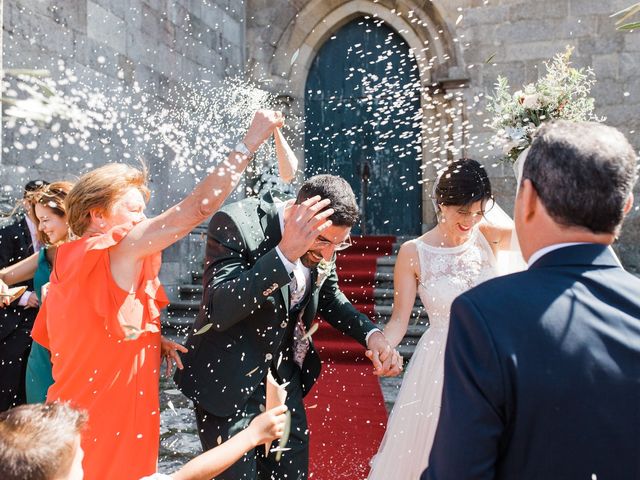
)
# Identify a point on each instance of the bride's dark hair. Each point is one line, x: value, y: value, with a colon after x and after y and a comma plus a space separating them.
x: 463, y: 182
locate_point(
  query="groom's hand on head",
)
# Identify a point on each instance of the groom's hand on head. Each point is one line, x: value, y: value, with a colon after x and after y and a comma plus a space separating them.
x: 303, y: 225
x: 387, y: 362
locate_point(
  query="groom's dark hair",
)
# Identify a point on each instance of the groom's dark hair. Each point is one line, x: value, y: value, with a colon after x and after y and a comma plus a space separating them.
x: 338, y: 191
x: 583, y: 173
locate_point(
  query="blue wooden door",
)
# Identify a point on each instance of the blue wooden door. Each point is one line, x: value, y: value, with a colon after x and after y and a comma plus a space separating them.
x: 362, y: 114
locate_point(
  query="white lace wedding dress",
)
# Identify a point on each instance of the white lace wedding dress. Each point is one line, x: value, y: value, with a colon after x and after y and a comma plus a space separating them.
x: 445, y: 273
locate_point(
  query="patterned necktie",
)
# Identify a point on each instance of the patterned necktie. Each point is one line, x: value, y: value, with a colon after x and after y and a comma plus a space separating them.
x: 297, y: 288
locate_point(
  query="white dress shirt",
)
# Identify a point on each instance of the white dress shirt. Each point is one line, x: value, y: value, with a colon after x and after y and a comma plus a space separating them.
x: 301, y: 274
x: 550, y: 248
x: 36, y: 248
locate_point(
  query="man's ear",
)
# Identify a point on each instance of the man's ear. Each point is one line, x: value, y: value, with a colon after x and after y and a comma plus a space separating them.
x: 528, y: 201
x: 629, y: 204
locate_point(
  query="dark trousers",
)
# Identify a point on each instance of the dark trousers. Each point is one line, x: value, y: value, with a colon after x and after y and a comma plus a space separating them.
x: 294, y: 463
x: 14, y: 352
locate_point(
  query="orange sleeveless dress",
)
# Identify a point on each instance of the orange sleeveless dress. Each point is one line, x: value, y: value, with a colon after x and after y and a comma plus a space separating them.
x: 105, y: 352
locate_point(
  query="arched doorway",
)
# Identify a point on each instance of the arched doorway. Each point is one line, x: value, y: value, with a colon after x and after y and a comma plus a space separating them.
x: 363, y: 119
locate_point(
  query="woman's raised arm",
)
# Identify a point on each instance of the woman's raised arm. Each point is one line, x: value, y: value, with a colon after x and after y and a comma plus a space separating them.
x: 155, y: 234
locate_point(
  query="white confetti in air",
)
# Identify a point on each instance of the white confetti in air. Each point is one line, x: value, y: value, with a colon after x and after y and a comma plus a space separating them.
x: 294, y: 57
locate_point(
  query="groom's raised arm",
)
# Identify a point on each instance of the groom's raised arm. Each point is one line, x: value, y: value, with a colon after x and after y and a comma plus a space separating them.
x: 472, y: 417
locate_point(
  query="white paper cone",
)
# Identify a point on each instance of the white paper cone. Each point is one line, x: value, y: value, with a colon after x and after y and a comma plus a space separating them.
x: 287, y: 161
x: 276, y: 396
x: 14, y: 293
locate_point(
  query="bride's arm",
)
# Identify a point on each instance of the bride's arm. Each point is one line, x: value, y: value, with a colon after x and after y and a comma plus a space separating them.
x: 404, y: 295
x: 498, y: 236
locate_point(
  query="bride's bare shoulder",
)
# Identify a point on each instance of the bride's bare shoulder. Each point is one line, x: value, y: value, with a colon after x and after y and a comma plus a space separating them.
x: 408, y: 252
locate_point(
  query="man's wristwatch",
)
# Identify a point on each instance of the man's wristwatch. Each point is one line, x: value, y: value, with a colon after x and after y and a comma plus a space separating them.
x: 242, y: 149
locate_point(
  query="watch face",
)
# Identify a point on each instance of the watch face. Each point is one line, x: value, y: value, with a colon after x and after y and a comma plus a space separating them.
x: 242, y: 148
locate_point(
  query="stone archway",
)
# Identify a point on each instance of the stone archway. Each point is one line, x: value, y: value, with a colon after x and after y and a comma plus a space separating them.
x: 296, y: 34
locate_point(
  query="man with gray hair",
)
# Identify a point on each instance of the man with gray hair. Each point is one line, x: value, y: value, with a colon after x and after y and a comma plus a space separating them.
x: 542, y: 367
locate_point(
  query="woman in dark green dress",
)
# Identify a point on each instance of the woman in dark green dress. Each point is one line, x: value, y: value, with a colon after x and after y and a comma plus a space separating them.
x: 50, y: 213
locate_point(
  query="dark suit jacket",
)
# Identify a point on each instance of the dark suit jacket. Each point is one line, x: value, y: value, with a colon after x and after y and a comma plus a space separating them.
x: 542, y: 374
x: 15, y: 245
x: 246, y: 299
x: 15, y: 322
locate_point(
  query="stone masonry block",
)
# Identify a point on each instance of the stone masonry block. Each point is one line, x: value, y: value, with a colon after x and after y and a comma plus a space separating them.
x: 118, y: 7
x: 631, y: 42
x: 105, y: 27
x: 232, y: 30
x: 602, y: 44
x: 605, y: 66
x: 486, y: 15
x: 530, y: 30
x: 589, y: 7
x: 542, y: 50
x: 540, y: 9
x: 211, y: 15
x: 71, y: 14
x: 608, y: 91
x: 141, y: 48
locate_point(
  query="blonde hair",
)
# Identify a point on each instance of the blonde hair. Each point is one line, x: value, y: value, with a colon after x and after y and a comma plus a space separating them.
x: 53, y: 197
x: 38, y: 441
x: 99, y: 190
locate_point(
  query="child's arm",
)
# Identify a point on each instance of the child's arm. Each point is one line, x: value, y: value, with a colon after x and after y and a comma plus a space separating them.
x: 266, y: 426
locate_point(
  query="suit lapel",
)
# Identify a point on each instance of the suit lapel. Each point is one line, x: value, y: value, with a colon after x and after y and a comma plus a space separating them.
x: 270, y: 223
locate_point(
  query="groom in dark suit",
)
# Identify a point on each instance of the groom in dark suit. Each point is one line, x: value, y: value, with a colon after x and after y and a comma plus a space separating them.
x: 269, y: 269
x: 542, y: 368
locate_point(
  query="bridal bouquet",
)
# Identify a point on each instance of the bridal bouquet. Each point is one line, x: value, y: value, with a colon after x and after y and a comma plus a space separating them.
x: 563, y: 93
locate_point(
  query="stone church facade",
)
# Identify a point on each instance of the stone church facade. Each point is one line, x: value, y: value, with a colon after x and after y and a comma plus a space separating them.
x: 459, y: 47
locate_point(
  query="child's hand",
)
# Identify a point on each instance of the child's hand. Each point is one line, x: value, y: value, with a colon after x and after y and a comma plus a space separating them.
x: 269, y: 425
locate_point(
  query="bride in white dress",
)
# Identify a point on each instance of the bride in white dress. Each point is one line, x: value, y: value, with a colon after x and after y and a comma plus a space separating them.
x: 456, y: 255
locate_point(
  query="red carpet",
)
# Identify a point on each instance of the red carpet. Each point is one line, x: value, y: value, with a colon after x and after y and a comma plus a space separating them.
x: 346, y: 409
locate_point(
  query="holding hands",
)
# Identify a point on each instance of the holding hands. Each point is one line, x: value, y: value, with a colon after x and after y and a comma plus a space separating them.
x: 387, y: 362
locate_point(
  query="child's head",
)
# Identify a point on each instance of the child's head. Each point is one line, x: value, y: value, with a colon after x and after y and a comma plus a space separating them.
x: 41, y: 442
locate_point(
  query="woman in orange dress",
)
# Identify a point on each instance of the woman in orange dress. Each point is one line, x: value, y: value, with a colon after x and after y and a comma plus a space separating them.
x: 101, y: 317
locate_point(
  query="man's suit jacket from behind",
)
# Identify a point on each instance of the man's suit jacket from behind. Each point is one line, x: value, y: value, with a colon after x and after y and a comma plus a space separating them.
x: 542, y: 374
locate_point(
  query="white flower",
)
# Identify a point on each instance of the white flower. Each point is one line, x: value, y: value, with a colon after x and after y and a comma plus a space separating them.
x: 515, y: 133
x: 531, y: 101
x: 324, y: 269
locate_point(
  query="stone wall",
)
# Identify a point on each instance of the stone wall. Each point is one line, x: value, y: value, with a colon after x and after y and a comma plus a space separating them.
x: 160, y: 42
x: 112, y: 43
x: 522, y: 35
x: 474, y: 42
